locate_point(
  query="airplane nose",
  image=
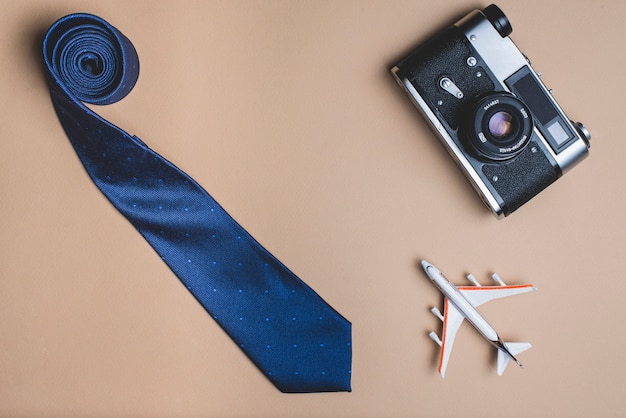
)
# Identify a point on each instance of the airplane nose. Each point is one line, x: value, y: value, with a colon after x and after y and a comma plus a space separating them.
x: 425, y: 264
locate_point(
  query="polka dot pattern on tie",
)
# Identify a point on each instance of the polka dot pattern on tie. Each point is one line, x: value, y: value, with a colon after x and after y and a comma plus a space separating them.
x: 294, y: 337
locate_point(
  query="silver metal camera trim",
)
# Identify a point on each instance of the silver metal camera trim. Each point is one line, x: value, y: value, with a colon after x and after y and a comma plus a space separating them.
x: 504, y: 59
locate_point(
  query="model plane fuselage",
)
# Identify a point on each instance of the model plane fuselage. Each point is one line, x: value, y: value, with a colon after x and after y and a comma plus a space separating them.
x: 461, y: 303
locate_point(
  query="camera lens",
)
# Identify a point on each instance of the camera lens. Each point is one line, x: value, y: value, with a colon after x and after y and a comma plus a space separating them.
x: 499, y: 127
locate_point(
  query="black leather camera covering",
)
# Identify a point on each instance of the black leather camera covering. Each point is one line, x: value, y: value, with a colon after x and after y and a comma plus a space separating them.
x: 526, y: 175
x: 446, y: 55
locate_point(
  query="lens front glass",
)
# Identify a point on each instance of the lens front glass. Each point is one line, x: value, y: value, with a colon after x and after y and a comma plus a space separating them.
x: 498, y: 126
x: 501, y: 125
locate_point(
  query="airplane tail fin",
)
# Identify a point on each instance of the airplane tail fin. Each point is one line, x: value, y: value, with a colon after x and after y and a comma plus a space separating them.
x: 504, y: 358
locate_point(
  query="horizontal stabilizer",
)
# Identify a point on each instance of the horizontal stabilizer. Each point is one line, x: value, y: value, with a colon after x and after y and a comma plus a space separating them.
x: 504, y: 358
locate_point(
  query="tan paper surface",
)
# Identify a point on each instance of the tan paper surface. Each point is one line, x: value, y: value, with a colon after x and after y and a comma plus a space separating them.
x: 287, y: 114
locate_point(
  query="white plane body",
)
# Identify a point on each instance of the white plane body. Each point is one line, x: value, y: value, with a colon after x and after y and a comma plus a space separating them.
x: 461, y: 303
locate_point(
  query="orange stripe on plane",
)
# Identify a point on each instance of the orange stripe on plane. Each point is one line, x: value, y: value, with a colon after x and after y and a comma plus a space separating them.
x: 443, y: 333
x: 520, y: 286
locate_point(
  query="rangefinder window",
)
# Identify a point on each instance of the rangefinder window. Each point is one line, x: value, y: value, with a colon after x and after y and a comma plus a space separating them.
x: 548, y: 119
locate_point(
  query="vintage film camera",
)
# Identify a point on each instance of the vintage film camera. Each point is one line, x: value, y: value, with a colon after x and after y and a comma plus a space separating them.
x: 491, y: 111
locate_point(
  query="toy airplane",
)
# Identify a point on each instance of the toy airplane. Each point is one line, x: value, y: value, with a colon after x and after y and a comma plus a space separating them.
x: 461, y: 303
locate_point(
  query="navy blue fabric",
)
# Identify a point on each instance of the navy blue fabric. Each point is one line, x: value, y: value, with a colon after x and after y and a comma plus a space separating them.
x: 295, y: 338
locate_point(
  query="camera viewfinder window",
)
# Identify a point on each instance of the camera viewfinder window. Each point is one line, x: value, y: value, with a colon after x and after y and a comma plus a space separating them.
x: 558, y: 133
x: 526, y: 87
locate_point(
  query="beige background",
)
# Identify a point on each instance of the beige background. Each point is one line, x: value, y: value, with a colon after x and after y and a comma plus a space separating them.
x: 285, y: 111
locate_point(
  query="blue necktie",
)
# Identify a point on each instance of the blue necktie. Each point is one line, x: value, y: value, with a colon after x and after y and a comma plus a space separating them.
x: 293, y: 336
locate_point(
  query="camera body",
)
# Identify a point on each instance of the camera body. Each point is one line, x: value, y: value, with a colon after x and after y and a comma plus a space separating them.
x: 491, y: 111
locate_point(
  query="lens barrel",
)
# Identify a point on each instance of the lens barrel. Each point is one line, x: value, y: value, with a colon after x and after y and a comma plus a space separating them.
x: 498, y: 127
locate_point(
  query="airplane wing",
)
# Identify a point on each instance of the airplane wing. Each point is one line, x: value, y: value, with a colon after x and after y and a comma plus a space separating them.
x: 477, y: 295
x: 452, y: 320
